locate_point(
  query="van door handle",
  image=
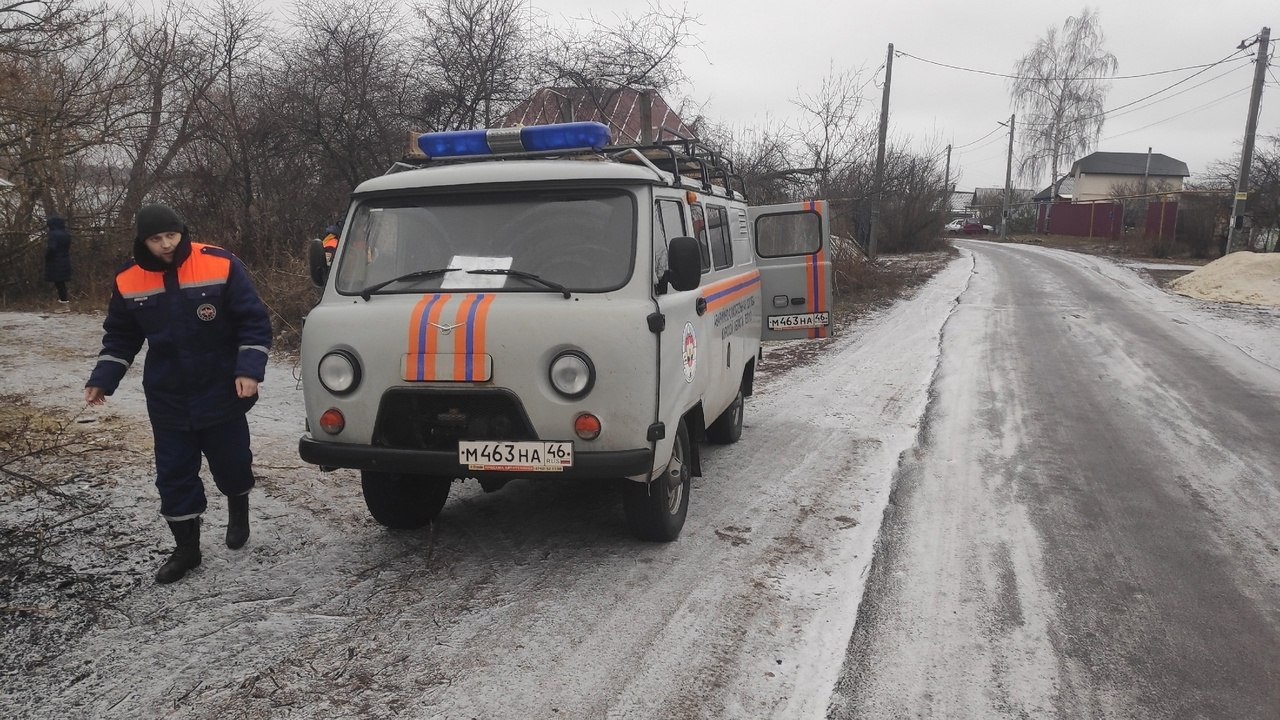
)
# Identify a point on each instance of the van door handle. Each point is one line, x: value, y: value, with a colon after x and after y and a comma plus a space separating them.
x: 797, y: 301
x: 701, y: 306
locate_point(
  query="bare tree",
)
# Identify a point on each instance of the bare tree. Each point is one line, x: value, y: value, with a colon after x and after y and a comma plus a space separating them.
x: 1059, y: 89
x: 475, y: 56
x: 27, y: 26
x: 639, y: 51
x: 911, y: 212
x: 343, y: 87
x: 61, y: 79
x: 177, y: 61
x: 221, y: 167
x: 834, y: 136
x: 764, y: 157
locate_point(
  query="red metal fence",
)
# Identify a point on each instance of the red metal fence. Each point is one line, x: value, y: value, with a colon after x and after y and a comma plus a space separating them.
x: 1095, y: 219
x: 1161, y: 221
x: 1106, y: 219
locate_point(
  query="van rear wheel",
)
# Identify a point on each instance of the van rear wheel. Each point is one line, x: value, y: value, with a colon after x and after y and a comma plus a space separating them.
x: 728, y: 427
x: 656, y: 510
x: 403, y: 501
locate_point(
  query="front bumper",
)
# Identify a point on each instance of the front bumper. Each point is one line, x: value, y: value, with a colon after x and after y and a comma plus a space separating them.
x: 443, y: 463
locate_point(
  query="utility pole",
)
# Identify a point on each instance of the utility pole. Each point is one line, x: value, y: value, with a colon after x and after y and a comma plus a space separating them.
x: 1008, y: 186
x: 1237, y: 231
x: 946, y: 183
x: 873, y: 241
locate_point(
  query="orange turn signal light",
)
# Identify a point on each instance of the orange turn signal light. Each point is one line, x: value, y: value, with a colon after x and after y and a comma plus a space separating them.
x: 587, y: 426
x: 332, y: 421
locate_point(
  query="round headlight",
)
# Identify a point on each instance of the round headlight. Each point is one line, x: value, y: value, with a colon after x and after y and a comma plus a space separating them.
x: 572, y: 374
x: 339, y: 372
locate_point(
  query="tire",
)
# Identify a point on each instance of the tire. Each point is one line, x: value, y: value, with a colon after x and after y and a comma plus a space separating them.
x: 656, y: 510
x: 728, y: 427
x: 403, y: 501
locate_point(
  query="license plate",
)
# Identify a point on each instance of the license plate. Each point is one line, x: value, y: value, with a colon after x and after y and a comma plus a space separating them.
x: 521, y: 456
x: 798, y: 322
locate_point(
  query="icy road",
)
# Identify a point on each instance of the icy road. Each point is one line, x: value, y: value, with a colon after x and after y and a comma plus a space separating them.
x: 1082, y: 524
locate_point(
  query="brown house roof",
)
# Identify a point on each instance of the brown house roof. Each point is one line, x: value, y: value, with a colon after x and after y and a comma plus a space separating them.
x: 622, y: 113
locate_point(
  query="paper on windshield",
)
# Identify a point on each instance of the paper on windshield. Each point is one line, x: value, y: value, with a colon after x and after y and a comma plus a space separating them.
x: 470, y: 262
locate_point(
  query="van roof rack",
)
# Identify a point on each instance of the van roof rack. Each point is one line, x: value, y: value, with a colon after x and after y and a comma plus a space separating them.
x: 682, y: 158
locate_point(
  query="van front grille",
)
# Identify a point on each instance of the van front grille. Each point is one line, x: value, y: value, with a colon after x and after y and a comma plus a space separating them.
x: 435, y: 419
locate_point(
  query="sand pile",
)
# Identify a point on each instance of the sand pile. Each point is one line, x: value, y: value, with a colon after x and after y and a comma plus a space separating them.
x: 1245, y: 277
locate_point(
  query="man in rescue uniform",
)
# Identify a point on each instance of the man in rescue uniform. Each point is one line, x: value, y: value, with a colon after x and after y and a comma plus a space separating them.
x: 207, y: 335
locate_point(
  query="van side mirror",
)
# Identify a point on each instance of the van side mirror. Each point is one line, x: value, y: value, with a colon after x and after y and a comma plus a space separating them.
x: 684, y: 263
x: 318, y: 262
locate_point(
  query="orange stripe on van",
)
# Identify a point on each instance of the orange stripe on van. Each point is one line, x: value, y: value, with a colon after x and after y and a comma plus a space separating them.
x: 413, y: 369
x: 416, y: 325
x: 724, y: 292
x: 477, y: 336
x: 817, y: 283
x: 464, y: 338
x: 432, y: 333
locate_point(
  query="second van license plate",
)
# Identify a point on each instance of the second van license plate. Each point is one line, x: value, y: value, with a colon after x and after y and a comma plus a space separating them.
x: 799, y: 322
x: 522, y: 456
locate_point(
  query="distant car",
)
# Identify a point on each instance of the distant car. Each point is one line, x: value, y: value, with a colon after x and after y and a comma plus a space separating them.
x: 967, y: 226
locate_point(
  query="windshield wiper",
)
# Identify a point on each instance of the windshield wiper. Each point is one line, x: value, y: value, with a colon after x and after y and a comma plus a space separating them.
x: 365, y: 293
x: 524, y: 275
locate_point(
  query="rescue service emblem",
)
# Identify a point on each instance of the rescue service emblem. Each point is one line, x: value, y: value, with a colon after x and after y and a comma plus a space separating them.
x: 690, y: 352
x: 206, y: 312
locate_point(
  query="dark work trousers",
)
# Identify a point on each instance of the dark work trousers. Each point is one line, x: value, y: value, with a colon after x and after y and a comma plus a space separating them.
x: 61, y: 287
x: 225, y: 446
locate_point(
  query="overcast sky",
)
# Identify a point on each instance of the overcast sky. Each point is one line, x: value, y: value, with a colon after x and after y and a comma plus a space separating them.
x: 757, y: 56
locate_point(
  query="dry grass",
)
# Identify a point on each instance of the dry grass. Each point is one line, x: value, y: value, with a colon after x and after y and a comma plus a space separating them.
x: 1134, y: 248
x: 860, y: 286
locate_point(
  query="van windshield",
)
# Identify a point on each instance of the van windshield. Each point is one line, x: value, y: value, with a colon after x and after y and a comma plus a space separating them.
x: 582, y: 240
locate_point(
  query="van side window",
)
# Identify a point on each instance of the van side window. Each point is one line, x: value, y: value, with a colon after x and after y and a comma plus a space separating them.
x: 721, y: 249
x: 668, y: 222
x: 789, y: 234
x: 700, y: 232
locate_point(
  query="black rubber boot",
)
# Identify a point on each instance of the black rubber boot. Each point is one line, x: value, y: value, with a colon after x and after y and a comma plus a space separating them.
x: 237, y: 521
x: 186, y: 556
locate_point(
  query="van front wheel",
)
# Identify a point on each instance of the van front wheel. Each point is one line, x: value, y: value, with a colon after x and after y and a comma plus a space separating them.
x: 403, y: 501
x: 656, y: 510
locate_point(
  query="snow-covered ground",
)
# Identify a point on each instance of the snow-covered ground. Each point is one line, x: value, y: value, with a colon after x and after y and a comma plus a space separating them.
x: 529, y: 602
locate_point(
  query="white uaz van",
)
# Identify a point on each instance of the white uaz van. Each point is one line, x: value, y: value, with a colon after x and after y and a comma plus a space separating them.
x: 534, y: 303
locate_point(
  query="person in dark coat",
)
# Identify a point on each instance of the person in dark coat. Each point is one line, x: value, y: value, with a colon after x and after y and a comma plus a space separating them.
x: 207, y: 335
x: 330, y: 242
x: 57, y: 260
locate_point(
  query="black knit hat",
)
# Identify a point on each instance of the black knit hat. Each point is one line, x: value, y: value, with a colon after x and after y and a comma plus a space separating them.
x: 154, y: 219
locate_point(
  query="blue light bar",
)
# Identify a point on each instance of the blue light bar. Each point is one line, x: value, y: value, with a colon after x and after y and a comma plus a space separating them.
x: 535, y: 138
x: 452, y: 144
x: 565, y: 136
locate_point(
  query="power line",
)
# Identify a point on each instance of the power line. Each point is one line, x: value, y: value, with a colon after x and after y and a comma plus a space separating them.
x: 987, y: 144
x: 1022, y: 77
x: 975, y: 142
x: 1185, y: 112
x: 1144, y: 98
x: 1182, y: 91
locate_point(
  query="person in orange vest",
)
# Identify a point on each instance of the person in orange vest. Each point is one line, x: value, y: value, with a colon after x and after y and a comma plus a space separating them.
x: 207, y: 334
x: 330, y: 242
